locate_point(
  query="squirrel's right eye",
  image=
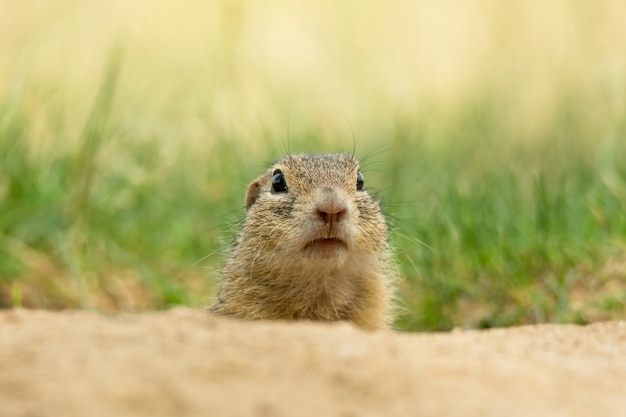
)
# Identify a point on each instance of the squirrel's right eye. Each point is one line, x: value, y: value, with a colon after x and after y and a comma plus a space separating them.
x: 279, y: 185
x: 359, y: 181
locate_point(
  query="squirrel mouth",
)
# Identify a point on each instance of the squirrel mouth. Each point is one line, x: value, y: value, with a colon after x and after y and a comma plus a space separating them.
x: 326, y: 245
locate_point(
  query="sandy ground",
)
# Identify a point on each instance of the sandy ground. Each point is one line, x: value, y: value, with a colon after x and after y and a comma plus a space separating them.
x: 184, y: 363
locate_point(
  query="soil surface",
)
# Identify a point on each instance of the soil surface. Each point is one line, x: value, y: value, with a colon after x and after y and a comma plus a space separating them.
x: 185, y: 363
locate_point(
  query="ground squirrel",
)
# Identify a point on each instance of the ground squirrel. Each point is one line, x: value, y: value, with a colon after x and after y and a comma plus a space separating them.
x: 313, y: 246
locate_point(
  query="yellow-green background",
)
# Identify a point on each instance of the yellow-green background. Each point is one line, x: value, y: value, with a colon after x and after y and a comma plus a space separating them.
x: 493, y: 132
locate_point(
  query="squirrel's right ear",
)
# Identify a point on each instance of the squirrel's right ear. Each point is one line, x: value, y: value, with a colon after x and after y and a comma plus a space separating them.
x: 254, y: 191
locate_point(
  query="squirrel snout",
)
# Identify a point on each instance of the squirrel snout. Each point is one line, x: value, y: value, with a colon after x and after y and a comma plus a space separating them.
x: 331, y: 208
x: 332, y: 213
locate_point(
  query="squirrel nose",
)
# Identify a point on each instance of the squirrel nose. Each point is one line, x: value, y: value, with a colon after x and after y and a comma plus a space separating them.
x: 332, y: 211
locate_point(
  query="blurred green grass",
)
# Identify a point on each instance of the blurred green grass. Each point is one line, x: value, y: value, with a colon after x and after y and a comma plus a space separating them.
x: 498, y: 149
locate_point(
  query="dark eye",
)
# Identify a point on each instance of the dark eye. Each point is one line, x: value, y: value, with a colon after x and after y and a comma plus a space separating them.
x: 279, y: 185
x: 359, y: 181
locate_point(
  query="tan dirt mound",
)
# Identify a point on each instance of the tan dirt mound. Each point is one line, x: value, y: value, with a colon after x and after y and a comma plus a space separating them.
x: 185, y: 363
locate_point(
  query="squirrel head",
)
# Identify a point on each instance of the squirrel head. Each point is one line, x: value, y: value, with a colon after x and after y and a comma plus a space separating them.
x: 314, y: 206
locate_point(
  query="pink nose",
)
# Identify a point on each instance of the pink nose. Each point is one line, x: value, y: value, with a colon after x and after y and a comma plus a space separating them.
x: 331, y: 211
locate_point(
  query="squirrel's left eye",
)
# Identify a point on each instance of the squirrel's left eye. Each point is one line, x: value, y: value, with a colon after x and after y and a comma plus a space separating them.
x: 279, y: 184
x: 359, y: 181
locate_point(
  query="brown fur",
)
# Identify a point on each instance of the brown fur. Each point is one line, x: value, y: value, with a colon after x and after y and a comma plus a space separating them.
x: 277, y: 270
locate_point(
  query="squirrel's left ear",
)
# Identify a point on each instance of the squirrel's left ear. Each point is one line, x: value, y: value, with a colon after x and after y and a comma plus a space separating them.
x: 253, y: 191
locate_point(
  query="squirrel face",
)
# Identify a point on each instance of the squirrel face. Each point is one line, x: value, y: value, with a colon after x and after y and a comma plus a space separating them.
x: 314, y: 207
